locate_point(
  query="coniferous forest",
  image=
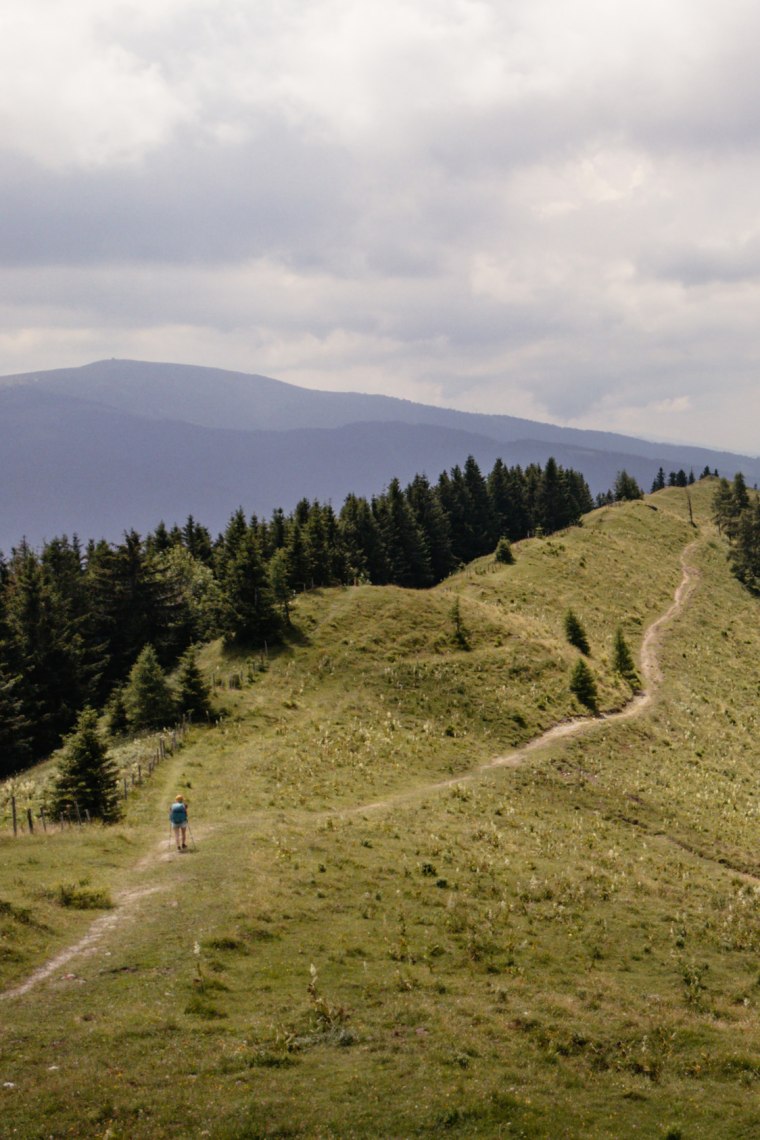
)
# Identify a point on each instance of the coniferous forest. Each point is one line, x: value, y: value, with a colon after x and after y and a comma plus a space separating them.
x: 74, y: 619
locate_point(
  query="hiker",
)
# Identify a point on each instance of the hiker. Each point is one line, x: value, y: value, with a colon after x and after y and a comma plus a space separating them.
x: 178, y: 820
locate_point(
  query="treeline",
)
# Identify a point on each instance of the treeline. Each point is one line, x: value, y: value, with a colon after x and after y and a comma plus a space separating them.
x: 737, y: 515
x: 74, y: 620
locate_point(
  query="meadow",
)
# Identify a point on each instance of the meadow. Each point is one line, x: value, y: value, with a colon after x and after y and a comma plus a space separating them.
x: 393, y: 921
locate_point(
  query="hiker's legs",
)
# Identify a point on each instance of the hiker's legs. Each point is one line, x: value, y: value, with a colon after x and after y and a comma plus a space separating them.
x: 184, y: 835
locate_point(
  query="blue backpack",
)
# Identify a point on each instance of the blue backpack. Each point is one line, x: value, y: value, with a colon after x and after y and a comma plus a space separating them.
x: 178, y: 814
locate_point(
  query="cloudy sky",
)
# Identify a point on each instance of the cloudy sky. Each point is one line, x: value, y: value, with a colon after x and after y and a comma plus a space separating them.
x: 546, y: 208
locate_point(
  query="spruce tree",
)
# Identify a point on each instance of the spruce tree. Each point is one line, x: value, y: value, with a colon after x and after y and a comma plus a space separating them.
x: 622, y: 660
x: 86, y: 781
x: 118, y: 721
x: 148, y: 698
x: 626, y: 487
x: 193, y: 695
x: 575, y: 633
x: 251, y: 617
x: 583, y: 686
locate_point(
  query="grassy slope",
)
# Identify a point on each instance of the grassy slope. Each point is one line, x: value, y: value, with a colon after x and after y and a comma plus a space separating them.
x: 566, y: 948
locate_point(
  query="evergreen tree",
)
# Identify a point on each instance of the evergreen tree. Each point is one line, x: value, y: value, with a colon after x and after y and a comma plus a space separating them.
x: 550, y: 502
x: 745, y: 552
x: 583, y: 686
x: 297, y: 558
x: 723, y: 506
x: 86, y: 781
x: 626, y: 487
x: 197, y: 541
x: 279, y: 580
x: 455, y: 501
x: 45, y: 650
x: 250, y: 616
x: 133, y: 604
x: 118, y: 720
x: 318, y: 553
x: 432, y: 521
x: 408, y: 556
x: 483, y: 526
x: 362, y: 542
x: 577, y: 494
x: 739, y: 493
x: 148, y: 697
x: 193, y: 694
x: 575, y: 633
x: 622, y: 660
x: 15, y: 730
x: 659, y: 481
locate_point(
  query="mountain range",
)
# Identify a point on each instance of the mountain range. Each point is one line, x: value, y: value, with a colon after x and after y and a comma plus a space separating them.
x: 117, y: 444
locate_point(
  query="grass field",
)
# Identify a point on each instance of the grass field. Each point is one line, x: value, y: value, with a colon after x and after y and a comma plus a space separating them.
x: 379, y: 931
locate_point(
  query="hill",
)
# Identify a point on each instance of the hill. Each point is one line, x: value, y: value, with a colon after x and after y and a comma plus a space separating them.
x: 412, y: 910
x: 120, y: 444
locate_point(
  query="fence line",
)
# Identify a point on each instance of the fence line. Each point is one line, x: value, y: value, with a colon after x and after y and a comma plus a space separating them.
x: 165, y: 746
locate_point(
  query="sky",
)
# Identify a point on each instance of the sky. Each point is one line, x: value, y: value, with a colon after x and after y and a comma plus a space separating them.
x: 541, y: 208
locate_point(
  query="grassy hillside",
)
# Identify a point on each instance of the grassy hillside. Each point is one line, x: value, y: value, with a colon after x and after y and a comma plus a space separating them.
x: 382, y: 932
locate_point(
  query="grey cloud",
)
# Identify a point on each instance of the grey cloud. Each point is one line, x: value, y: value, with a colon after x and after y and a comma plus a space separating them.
x: 277, y: 195
x: 705, y: 264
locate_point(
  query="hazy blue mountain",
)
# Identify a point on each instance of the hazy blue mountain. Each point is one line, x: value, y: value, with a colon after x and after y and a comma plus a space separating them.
x: 119, y: 444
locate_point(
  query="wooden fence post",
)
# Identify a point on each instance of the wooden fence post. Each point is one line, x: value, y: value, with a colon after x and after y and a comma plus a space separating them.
x: 13, y: 813
x: 30, y: 820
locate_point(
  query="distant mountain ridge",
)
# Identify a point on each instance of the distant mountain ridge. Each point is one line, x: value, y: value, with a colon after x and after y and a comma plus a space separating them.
x: 118, y: 444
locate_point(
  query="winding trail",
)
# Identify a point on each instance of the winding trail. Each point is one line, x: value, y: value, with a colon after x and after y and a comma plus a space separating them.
x: 127, y: 901
x: 652, y: 678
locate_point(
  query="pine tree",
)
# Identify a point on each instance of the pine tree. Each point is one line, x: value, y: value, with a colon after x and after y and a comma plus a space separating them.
x: 626, y: 487
x: 86, y: 781
x: 583, y: 686
x: 193, y: 695
x: 148, y: 698
x: 622, y: 660
x: 575, y: 633
x: 118, y: 721
x: 432, y: 520
x: 658, y: 483
x: 723, y: 506
x: 408, y: 555
x: 251, y: 617
x: 740, y: 493
x: 362, y: 542
x: 44, y: 648
x: 745, y: 552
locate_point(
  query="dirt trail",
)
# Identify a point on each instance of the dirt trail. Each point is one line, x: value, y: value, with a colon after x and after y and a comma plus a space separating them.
x: 651, y: 677
x: 127, y: 901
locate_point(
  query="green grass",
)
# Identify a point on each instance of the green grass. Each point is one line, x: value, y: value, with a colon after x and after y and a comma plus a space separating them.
x: 567, y: 948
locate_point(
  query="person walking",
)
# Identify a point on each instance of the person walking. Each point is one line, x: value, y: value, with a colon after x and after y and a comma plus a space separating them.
x: 178, y: 820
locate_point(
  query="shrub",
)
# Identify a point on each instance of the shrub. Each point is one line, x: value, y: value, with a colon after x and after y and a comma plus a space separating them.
x: 503, y: 552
